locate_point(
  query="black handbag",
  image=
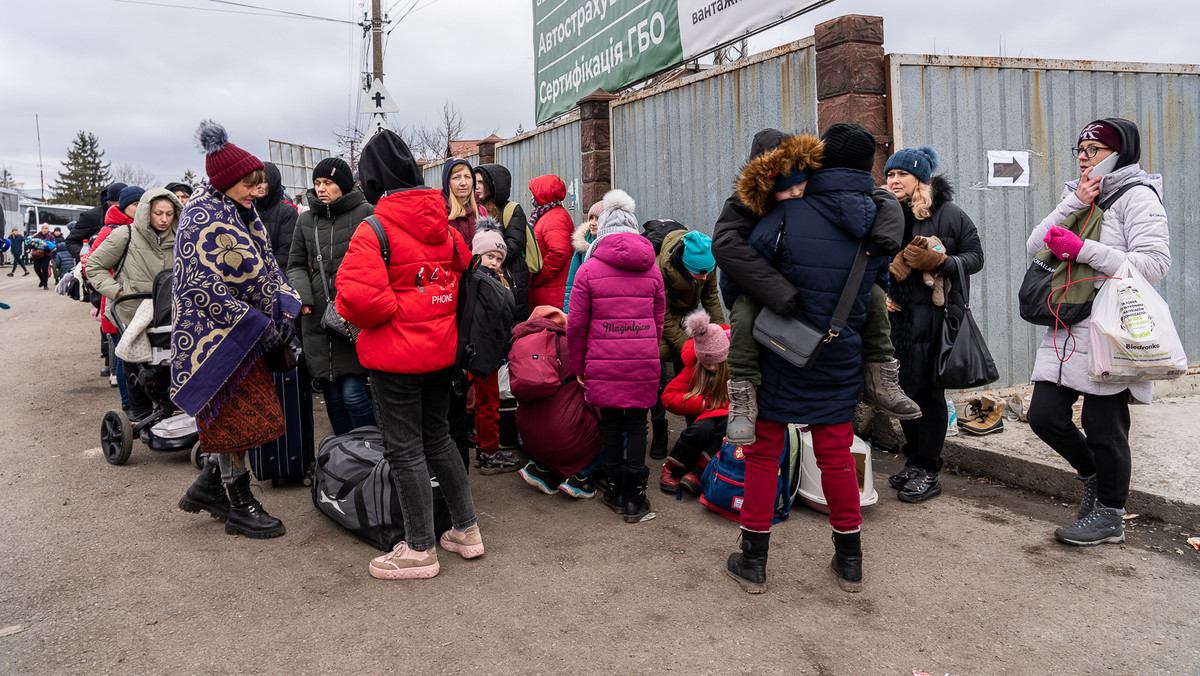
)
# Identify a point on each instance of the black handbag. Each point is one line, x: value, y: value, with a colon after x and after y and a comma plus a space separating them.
x: 331, y: 321
x: 796, y: 340
x: 963, y: 360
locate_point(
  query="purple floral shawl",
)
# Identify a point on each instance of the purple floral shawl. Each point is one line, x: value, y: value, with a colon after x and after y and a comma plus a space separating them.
x: 228, y: 299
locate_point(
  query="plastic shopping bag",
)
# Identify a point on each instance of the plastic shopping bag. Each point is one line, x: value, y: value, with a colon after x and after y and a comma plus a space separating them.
x: 1133, y: 338
x: 504, y: 383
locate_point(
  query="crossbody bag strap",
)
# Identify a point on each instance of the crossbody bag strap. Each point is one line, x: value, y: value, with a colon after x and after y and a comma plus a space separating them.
x: 842, y: 312
x: 320, y: 261
x: 385, y: 247
x: 467, y: 317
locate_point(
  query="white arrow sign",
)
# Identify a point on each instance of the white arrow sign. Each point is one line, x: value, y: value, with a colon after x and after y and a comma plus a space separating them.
x: 377, y: 125
x: 377, y: 100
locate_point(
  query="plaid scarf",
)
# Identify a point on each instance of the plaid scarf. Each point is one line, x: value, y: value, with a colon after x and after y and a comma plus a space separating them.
x: 229, y: 302
x: 540, y: 211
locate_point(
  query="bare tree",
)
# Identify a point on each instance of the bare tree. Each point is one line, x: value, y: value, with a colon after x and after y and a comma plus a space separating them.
x: 434, y: 140
x: 349, y: 142
x: 132, y: 175
x: 731, y: 53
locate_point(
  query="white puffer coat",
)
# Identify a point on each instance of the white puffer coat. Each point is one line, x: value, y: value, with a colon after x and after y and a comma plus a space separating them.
x: 1135, y: 229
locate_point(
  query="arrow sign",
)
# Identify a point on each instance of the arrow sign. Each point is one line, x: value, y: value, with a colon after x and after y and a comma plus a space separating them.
x: 377, y: 100
x: 1008, y: 168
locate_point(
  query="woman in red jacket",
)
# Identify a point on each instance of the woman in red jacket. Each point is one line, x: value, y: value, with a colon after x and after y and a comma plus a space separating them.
x: 699, y: 394
x: 553, y: 227
x: 405, y: 306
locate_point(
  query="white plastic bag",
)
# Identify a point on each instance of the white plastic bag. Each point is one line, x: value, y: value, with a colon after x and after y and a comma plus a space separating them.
x: 503, y: 382
x: 1133, y: 338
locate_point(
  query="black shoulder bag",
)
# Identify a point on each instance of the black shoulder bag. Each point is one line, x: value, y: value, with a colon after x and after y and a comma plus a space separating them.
x: 333, y: 323
x: 963, y: 360
x: 796, y: 340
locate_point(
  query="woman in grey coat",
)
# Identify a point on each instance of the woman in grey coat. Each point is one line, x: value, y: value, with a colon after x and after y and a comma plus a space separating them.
x: 337, y: 209
x: 1134, y: 230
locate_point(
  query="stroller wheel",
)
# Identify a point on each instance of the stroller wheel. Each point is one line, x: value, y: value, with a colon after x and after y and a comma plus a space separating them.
x: 198, y: 456
x: 116, y: 437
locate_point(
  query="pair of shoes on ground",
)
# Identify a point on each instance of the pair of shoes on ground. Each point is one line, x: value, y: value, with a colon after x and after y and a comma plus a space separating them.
x: 674, y: 478
x: 497, y: 462
x: 406, y: 563
x: 549, y: 482
x: 913, y: 484
x: 984, y: 415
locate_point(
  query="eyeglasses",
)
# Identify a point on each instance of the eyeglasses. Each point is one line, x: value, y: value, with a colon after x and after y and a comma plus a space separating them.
x: 1090, y: 151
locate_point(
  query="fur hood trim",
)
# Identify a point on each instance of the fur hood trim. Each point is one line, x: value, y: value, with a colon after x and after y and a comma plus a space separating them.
x: 943, y: 192
x: 756, y: 184
x: 579, y: 238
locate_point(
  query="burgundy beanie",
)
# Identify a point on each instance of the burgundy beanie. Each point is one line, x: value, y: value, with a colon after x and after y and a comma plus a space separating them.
x: 225, y: 163
x: 1102, y: 132
x: 710, y: 340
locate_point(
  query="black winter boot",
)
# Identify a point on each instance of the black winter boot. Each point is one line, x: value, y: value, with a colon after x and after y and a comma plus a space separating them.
x: 749, y: 567
x: 658, y: 444
x: 633, y: 493
x: 206, y: 492
x: 613, y: 497
x: 847, y: 560
x: 247, y: 516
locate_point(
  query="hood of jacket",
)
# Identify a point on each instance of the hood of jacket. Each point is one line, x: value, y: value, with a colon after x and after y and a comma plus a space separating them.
x: 582, y: 238
x: 548, y: 188
x: 141, y: 217
x: 499, y: 183
x: 767, y: 139
x: 625, y: 250
x: 553, y: 320
x: 337, y: 207
x: 1131, y: 141
x: 448, y: 168
x: 839, y: 192
x: 756, y: 185
x: 386, y: 164
x: 420, y: 213
x: 114, y: 217
x: 274, y: 188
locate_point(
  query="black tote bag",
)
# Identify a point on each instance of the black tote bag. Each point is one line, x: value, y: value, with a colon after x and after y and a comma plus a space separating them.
x: 963, y: 360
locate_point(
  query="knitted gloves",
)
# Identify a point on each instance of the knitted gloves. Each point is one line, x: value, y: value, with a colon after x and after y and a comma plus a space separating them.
x: 1063, y: 243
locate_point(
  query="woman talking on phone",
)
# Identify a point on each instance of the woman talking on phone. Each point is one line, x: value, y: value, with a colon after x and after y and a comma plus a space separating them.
x: 1134, y: 229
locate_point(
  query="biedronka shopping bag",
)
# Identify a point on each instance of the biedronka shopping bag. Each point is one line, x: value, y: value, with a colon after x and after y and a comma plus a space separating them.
x: 1132, y: 336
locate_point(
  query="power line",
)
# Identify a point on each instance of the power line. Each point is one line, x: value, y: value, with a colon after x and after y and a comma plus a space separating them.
x: 280, y: 11
x: 269, y: 12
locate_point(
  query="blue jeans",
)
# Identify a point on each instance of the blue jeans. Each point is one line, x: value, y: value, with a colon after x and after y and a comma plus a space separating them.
x: 118, y: 370
x: 417, y: 444
x: 348, y: 404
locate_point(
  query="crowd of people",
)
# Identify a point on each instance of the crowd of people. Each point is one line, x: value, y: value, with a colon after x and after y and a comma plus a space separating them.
x: 631, y: 310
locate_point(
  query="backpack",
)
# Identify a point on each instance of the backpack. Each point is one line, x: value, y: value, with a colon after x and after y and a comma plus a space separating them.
x: 723, y: 486
x: 486, y: 321
x: 536, y: 365
x: 656, y: 231
x: 352, y: 484
x: 533, y: 255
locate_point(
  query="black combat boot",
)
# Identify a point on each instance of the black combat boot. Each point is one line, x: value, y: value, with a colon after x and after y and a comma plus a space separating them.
x: 206, y: 492
x: 658, y: 443
x: 613, y: 497
x: 633, y: 493
x: 847, y: 560
x: 749, y: 567
x: 248, y: 517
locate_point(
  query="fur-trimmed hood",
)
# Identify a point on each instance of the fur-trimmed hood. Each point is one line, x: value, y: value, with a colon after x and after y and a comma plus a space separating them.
x: 943, y: 192
x: 579, y: 238
x: 756, y: 184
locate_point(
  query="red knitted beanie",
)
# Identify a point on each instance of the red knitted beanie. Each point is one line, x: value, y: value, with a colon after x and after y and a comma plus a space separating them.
x: 225, y: 163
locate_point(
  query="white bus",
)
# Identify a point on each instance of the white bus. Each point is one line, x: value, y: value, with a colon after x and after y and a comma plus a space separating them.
x: 54, y: 215
x: 9, y: 200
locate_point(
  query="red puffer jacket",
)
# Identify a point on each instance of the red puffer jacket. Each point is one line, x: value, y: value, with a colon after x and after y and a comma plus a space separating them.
x: 113, y: 218
x: 553, y: 231
x: 406, y: 310
x: 675, y: 397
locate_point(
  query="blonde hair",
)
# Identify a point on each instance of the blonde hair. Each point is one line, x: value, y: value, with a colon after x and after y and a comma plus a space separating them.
x: 459, y: 209
x: 921, y: 201
x: 710, y: 384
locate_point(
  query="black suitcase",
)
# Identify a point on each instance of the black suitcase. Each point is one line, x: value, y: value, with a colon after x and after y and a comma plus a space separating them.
x: 290, y: 457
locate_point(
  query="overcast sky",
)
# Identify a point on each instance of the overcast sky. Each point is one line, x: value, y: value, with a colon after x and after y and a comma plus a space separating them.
x: 141, y: 77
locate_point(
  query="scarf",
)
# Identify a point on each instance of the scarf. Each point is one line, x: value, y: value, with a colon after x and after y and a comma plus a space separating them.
x: 229, y: 302
x: 541, y: 211
x: 1086, y: 223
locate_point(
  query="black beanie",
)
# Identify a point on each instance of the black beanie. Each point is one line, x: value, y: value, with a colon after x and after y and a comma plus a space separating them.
x: 114, y: 192
x: 850, y: 146
x: 387, y: 164
x: 336, y: 170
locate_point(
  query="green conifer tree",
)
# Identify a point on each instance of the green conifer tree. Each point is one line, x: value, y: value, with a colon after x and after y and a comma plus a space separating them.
x: 84, y: 173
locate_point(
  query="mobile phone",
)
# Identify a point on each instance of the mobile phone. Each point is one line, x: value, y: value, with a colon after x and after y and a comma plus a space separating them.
x: 1105, y: 167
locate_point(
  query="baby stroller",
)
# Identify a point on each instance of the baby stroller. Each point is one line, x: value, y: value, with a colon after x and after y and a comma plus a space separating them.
x: 165, y: 428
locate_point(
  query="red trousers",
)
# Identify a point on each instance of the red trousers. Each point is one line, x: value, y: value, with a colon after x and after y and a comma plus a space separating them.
x: 487, y: 412
x: 831, y: 445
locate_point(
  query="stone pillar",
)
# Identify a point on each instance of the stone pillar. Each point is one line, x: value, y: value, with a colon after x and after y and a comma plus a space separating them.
x: 487, y: 149
x: 595, y: 145
x: 852, y: 78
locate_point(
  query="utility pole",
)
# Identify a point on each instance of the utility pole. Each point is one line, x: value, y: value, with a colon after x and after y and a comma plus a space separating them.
x: 41, y: 169
x: 377, y: 39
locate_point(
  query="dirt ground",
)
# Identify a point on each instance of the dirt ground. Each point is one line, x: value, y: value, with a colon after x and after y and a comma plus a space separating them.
x: 101, y: 573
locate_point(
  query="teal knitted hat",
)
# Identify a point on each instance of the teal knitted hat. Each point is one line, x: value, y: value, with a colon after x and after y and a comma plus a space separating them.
x: 697, y: 253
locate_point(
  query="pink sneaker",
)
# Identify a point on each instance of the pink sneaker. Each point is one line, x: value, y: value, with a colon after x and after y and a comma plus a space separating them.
x: 403, y: 563
x: 467, y: 544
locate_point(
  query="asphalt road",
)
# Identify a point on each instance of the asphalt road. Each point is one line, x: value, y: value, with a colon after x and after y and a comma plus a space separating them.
x: 100, y: 573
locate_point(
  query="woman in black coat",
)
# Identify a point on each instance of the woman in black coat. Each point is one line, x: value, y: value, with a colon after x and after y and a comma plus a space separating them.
x: 916, y: 319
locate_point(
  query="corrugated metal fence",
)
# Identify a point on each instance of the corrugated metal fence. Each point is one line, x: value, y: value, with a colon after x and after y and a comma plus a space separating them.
x: 965, y: 106
x: 677, y: 148
x: 554, y: 150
